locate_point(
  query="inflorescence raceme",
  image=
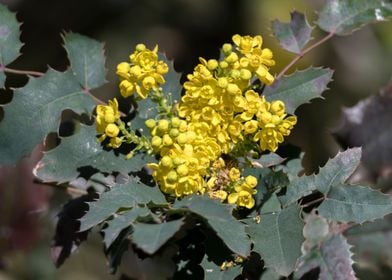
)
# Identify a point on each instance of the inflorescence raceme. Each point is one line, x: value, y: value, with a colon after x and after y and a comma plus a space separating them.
x: 220, y: 110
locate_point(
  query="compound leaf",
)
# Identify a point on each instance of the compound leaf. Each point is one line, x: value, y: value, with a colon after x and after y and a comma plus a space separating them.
x: 342, y: 17
x: 278, y: 239
x: 355, y: 204
x: 293, y: 36
x: 36, y: 110
x: 120, y: 196
x: 9, y: 37
x: 87, y: 60
x: 300, y: 87
x: 151, y: 237
x: 82, y: 149
x: 220, y: 219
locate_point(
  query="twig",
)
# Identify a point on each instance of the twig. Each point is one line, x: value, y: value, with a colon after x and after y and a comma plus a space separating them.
x: 23, y: 72
x: 313, y: 202
x: 303, y: 53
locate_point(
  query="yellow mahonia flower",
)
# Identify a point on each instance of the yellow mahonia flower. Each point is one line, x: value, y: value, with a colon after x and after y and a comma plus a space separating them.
x: 106, y: 123
x: 143, y: 73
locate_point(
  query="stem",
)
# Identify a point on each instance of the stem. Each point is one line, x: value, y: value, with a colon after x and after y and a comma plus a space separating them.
x: 303, y: 53
x: 23, y: 72
x: 313, y: 202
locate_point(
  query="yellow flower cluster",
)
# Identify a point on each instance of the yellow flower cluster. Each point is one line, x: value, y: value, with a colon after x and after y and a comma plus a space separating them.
x: 219, y: 98
x: 144, y: 72
x: 227, y: 184
x: 106, y: 123
x: 185, y: 156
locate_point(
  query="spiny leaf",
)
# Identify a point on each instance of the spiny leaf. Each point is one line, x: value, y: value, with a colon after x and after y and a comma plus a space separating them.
x: 300, y: 87
x: 334, y: 260
x: 82, y: 149
x: 342, y: 17
x: 335, y: 172
x: 338, y: 170
x: 35, y: 111
x: 120, y: 196
x: 315, y: 230
x: 267, y: 160
x: 87, y: 60
x: 213, y: 272
x: 278, y: 238
x: 271, y: 205
x: 120, y: 222
x: 295, y: 35
x: 151, y: 237
x: 355, y: 204
x: 9, y: 37
x: 372, y: 243
x: 219, y: 217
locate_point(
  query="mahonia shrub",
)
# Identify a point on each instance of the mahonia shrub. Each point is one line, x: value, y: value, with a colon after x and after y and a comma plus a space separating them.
x: 188, y: 177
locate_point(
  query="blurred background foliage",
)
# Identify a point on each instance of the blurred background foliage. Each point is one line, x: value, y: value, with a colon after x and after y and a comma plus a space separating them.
x: 184, y: 30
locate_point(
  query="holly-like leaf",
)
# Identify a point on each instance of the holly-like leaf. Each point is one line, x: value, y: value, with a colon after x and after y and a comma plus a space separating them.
x: 372, y: 243
x: 87, y: 60
x: 299, y: 88
x: 333, y: 258
x: 267, y: 160
x: 35, y: 110
x: 342, y: 17
x: 355, y: 204
x: 293, y: 36
x: 9, y: 37
x: 220, y: 219
x: 120, y: 196
x: 335, y: 172
x: 272, y: 205
x: 213, y: 272
x: 278, y: 239
x: 151, y: 237
x: 120, y: 222
x: 82, y: 149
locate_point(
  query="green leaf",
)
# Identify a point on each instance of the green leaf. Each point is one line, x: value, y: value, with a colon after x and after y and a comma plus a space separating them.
x: 333, y: 258
x: 372, y: 243
x: 295, y: 35
x: 120, y: 222
x: 213, y: 272
x: 35, y: 110
x: 342, y: 17
x: 335, y: 172
x: 82, y: 149
x: 278, y: 239
x: 299, y: 88
x: 9, y: 37
x: 87, y: 60
x: 151, y: 237
x: 269, y: 274
x: 2, y: 79
x: 220, y: 219
x: 315, y: 230
x: 294, y: 167
x: 120, y: 196
x: 272, y: 205
x: 267, y: 160
x: 355, y: 204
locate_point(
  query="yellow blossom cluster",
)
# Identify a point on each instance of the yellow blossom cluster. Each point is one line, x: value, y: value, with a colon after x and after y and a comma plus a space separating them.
x: 107, y: 120
x: 219, y: 98
x: 185, y: 156
x: 143, y: 73
x: 227, y: 184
